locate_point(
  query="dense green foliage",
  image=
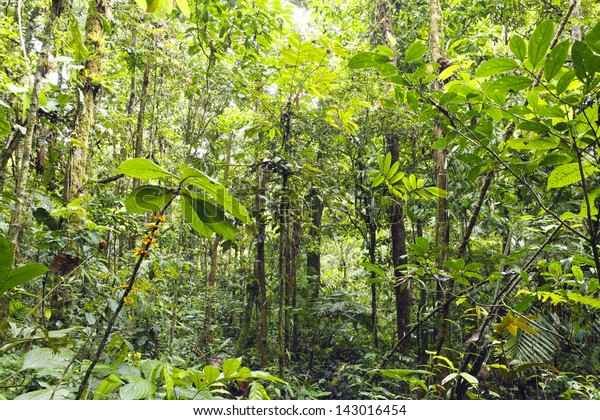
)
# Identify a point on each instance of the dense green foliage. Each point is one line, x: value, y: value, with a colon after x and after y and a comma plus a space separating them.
x: 367, y: 200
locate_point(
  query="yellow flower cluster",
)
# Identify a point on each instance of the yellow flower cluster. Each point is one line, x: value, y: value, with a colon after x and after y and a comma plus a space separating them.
x: 128, y: 299
x: 149, y: 239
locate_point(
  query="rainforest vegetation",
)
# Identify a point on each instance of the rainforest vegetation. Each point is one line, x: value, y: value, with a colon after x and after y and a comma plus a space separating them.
x: 299, y: 199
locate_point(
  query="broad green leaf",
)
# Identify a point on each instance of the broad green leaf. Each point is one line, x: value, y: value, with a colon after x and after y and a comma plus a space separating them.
x: 190, y: 215
x: 212, y: 217
x: 415, y: 51
x: 366, y: 60
x: 387, y: 163
x: 449, y: 378
x: 404, y: 373
x: 22, y: 275
x: 76, y: 43
x: 496, y: 66
x: 46, y: 358
x: 148, y: 198
x: 585, y: 62
x: 6, y: 258
x: 592, y: 39
x: 533, y: 143
x: 211, y: 374
x: 556, y: 59
x: 564, y: 82
x: 110, y: 384
x: 152, y: 5
x: 169, y: 381
x: 508, y: 84
x: 518, y: 47
x: 540, y: 41
x: 137, y: 389
x: 577, y: 272
x: 535, y: 126
x: 585, y: 300
x: 218, y: 192
x: 569, y: 174
x: 550, y: 111
x: 142, y: 169
x: 231, y: 366
x: 45, y: 394
x: 473, y: 381
x: 373, y: 268
x: 592, y: 197
x: 436, y: 192
x: 184, y: 7
x: 5, y: 128
x: 257, y: 392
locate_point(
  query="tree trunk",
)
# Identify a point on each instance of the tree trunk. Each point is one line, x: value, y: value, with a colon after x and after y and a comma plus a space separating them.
x: 32, y: 117
x: 259, y: 270
x: 313, y: 253
x: 84, y: 118
x: 398, y: 232
x: 442, y: 229
x: 139, y: 135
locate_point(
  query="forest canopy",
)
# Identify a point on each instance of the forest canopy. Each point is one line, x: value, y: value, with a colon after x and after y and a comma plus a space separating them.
x: 299, y: 199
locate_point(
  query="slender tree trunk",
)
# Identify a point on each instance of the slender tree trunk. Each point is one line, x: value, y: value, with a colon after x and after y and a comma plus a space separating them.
x: 398, y: 232
x: 313, y: 253
x: 371, y: 238
x: 14, y: 231
x: 84, y: 119
x: 139, y: 135
x: 442, y: 230
x: 251, y: 295
x: 259, y: 270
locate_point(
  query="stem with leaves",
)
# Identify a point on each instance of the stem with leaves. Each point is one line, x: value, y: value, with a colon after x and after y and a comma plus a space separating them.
x: 113, y: 319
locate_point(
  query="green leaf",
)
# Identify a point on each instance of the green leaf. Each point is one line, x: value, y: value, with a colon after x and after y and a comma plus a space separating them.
x: 142, y: 169
x: 211, y: 374
x: 533, y: 143
x: 6, y: 258
x: 110, y: 384
x: 79, y: 49
x: 436, y: 192
x: 257, y: 392
x: 212, y: 217
x: 592, y: 39
x: 556, y: 60
x: 366, y: 60
x: 22, y: 275
x: 518, y: 47
x: 373, y: 268
x: 46, y: 358
x: 569, y: 174
x: 45, y: 394
x: 585, y: 300
x: 564, y: 81
x: 148, y: 198
x: 473, y: 381
x: 231, y: 366
x: 5, y: 128
x: 169, y: 381
x: 507, y: 84
x: 184, y: 7
x: 415, y: 51
x: 137, y: 389
x: 535, y: 126
x: 540, y: 41
x: 496, y: 66
x: 218, y: 192
x: 404, y: 373
x: 585, y: 62
x: 190, y: 215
